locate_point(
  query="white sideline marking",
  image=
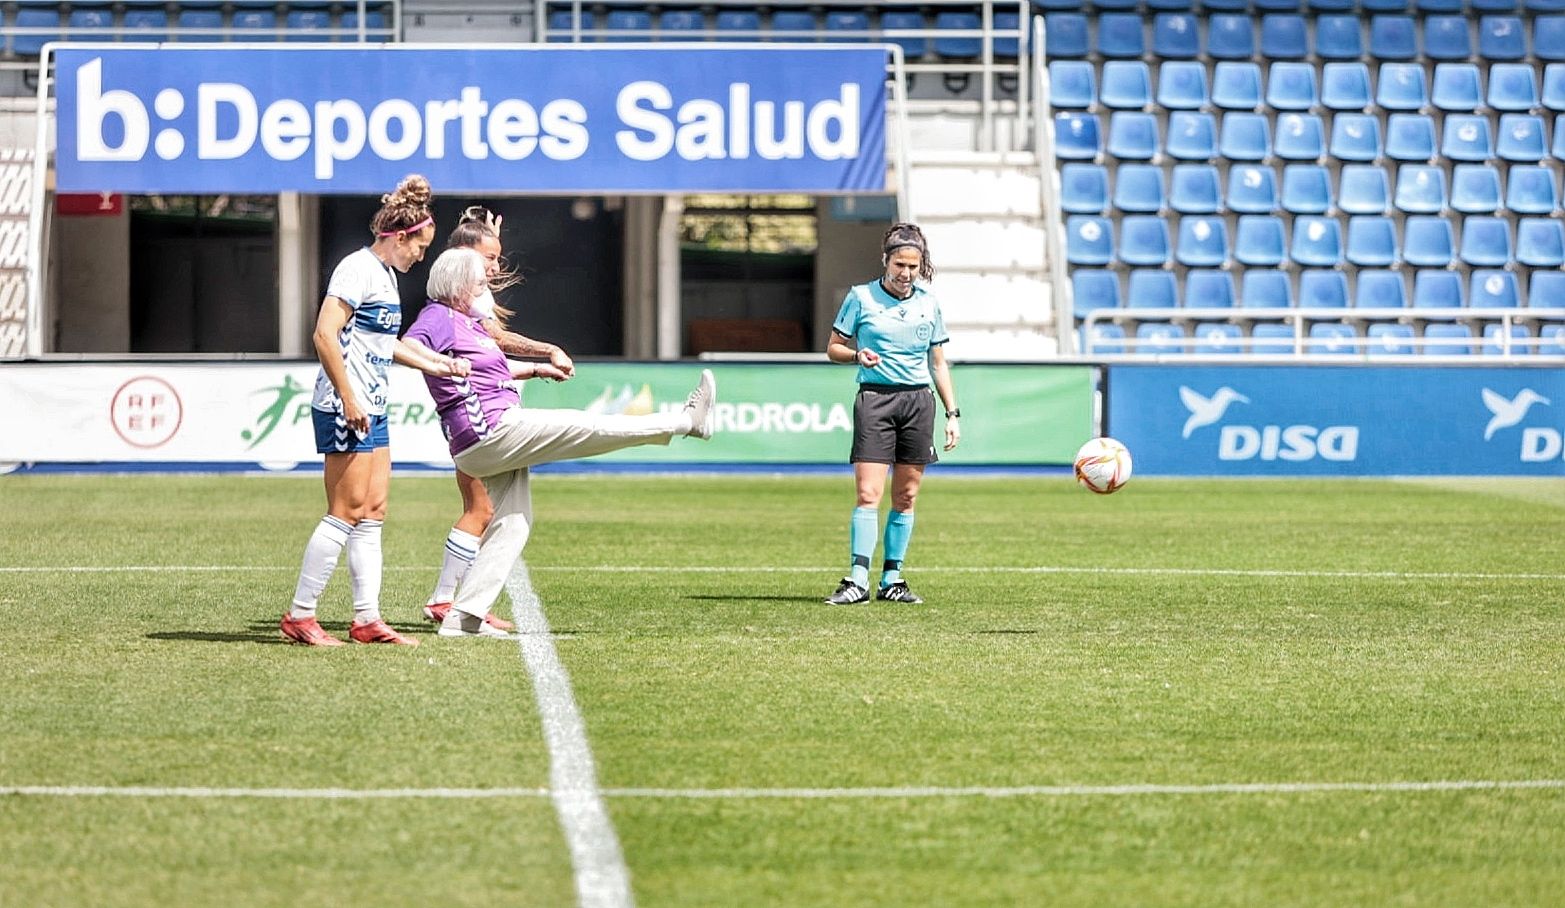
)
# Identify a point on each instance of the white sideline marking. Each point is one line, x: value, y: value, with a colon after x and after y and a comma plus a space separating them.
x: 1022, y: 791
x: 804, y: 569
x: 602, y: 879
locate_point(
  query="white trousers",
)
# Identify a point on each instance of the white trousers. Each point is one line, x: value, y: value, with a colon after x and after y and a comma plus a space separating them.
x: 525, y: 439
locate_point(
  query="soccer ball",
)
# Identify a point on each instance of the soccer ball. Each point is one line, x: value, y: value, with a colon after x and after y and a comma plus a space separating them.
x: 1103, y: 465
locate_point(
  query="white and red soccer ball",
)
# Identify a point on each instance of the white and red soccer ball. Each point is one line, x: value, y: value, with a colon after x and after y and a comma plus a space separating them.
x: 1103, y: 465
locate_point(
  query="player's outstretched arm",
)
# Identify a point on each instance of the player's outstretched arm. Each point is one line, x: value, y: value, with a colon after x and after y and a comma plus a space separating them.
x: 413, y: 353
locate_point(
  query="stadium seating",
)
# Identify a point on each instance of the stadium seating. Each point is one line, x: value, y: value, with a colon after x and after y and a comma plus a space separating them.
x: 1390, y: 338
x: 1209, y: 289
x: 1094, y: 289
x: 1252, y: 189
x: 1195, y: 190
x: 1139, y: 188
x: 1160, y: 337
x: 1151, y: 289
x: 1375, y: 289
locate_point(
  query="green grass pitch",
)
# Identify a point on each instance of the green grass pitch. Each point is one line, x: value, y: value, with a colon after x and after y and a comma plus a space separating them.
x: 1188, y: 633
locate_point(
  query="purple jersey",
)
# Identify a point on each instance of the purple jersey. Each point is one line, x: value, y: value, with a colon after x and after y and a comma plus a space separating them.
x: 469, y: 407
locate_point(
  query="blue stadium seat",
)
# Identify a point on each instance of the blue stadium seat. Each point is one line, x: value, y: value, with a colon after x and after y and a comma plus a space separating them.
x: 1402, y: 87
x: 1501, y: 38
x: 1065, y: 35
x: 1217, y: 339
x: 1181, y: 85
x: 1467, y: 138
x: 1325, y: 6
x: 301, y: 22
x: 1105, y: 340
x: 1546, y: 290
x: 1548, y: 37
x: 1160, y: 337
x: 1317, y: 241
x: 1291, y: 86
x: 1389, y: 338
x: 1420, y: 189
x: 1495, y: 6
x: 1384, y: 6
x: 1138, y: 188
x: 1259, y: 240
x: 1486, y: 242
x: 1151, y: 288
x: 33, y: 17
x: 1093, y: 289
x: 1475, y: 189
x: 1372, y: 241
x: 1057, y: 4
x: 562, y: 25
x: 687, y: 24
x: 745, y: 25
x: 1521, y: 138
x: 1447, y: 339
x: 189, y: 20
x: 1375, y: 289
x: 1558, y: 148
x: 1553, y: 338
x: 1072, y: 84
x: 913, y: 47
x: 1530, y: 189
x: 1362, y: 189
x: 1338, y: 38
x: 1540, y: 242
x: 1437, y: 290
x: 1410, y: 137
x: 1177, y: 6
x: 1192, y: 136
x: 1084, y: 188
x: 1306, y: 189
x: 1252, y: 189
x: 1194, y: 189
x: 1456, y: 87
x: 1143, y: 240
x: 1265, y: 288
x: 1203, y: 242
x: 636, y: 24
x: 1392, y: 38
x: 1007, y: 43
x: 1355, y: 137
x: 1283, y: 37
x: 1300, y: 137
x: 1209, y: 289
x: 375, y: 21
x: 1127, y: 84
x: 1236, y: 85
x: 1554, y: 86
x: 1077, y: 136
x: 1344, y: 86
x: 1320, y: 289
x: 1331, y: 338
x: 1492, y: 289
x: 952, y: 46
x: 1089, y: 240
x: 146, y: 25
x: 1447, y: 38
x: 1120, y: 35
x: 1115, y: 4
x: 261, y: 21
x: 1271, y: 337
x: 1232, y: 37
x: 1133, y: 136
x: 83, y: 21
x: 1494, y: 346
x: 1176, y: 36
x: 1513, y: 87
x: 1427, y: 242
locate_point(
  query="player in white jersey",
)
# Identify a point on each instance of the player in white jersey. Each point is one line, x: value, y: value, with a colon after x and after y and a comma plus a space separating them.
x: 356, y: 341
x: 479, y: 230
x: 893, y: 329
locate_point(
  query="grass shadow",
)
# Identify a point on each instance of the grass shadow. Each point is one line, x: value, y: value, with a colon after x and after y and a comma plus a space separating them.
x: 266, y: 633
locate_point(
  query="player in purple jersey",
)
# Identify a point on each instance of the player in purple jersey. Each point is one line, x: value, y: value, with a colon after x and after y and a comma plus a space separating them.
x: 496, y: 439
x: 356, y: 341
x: 479, y: 230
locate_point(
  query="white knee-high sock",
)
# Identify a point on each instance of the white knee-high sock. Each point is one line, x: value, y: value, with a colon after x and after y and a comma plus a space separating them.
x: 461, y: 549
x: 364, y: 564
x: 320, y: 559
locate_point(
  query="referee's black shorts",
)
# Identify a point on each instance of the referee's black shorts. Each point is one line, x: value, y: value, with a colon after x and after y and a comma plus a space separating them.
x: 894, y: 424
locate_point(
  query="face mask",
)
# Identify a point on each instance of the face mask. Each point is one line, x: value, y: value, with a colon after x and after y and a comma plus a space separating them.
x: 483, y: 304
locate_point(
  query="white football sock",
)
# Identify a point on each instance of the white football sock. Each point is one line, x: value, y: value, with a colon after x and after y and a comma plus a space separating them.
x: 461, y: 549
x: 320, y: 559
x: 364, y: 565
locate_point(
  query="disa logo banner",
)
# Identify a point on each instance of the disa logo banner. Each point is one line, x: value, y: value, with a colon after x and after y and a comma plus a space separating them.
x: 356, y: 120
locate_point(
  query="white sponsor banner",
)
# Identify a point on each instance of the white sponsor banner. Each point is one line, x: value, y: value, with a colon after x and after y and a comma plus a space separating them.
x: 229, y: 412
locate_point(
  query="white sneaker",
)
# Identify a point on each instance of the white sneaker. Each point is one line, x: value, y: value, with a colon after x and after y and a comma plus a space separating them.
x: 461, y: 624
x: 699, y: 403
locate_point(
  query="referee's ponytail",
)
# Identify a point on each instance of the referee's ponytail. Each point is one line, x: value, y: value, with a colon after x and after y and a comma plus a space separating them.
x: 905, y: 235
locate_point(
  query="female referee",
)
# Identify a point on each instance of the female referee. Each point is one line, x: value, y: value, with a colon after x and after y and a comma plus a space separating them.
x: 893, y: 329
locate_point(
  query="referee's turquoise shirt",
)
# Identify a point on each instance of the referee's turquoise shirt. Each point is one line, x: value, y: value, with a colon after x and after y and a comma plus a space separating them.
x: 901, y: 332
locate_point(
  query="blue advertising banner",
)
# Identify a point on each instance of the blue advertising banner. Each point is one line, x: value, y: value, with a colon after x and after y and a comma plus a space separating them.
x: 534, y: 119
x: 1340, y: 421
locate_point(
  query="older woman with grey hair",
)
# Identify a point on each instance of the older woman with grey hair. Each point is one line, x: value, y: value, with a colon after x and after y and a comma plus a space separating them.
x: 492, y: 436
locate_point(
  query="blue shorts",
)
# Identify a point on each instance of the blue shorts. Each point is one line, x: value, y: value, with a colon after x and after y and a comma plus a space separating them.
x: 332, y: 435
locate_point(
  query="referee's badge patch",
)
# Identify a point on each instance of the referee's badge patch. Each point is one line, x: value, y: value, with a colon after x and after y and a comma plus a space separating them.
x: 925, y: 331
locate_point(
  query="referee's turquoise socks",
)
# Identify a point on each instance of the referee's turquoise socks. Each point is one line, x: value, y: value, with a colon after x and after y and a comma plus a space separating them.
x: 899, y: 529
x: 861, y: 539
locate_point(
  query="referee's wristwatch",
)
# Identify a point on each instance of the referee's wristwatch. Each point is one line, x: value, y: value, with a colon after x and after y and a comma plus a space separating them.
x: 954, y: 414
